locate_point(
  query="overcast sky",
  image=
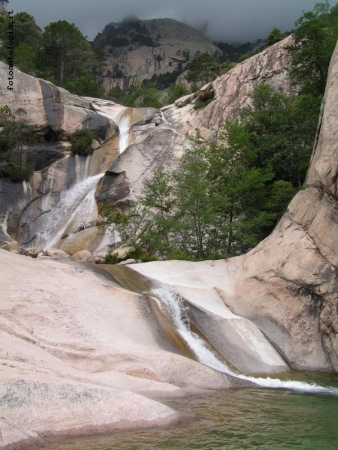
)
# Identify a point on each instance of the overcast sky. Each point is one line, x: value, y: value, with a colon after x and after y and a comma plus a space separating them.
x: 226, y: 20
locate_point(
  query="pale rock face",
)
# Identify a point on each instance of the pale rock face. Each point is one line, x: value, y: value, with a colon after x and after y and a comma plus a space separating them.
x: 289, y: 282
x: 287, y: 285
x: 80, y: 354
x: 50, y: 106
x: 205, y: 286
x: 24, y: 205
x: 163, y: 146
x: 231, y: 91
x: 176, y: 43
x: 157, y: 147
x: 83, y: 256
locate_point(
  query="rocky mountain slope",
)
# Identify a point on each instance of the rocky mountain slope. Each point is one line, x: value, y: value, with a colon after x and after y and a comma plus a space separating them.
x: 138, y: 49
x: 164, y: 145
x: 230, y: 91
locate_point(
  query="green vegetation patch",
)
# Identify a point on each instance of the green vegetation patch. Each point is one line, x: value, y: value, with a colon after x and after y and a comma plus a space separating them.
x: 81, y: 142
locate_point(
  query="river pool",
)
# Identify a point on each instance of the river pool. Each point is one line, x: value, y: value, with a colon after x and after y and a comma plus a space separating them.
x: 237, y: 419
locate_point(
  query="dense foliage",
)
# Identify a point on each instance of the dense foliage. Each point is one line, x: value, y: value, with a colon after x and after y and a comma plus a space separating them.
x: 275, y: 36
x: 315, y: 39
x: 15, y: 135
x: 59, y: 53
x: 81, y: 142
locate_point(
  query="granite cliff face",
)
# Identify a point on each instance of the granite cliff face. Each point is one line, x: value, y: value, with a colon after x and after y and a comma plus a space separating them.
x: 230, y: 91
x: 56, y: 115
x: 81, y: 355
x: 287, y: 285
x: 26, y: 209
x: 138, y: 49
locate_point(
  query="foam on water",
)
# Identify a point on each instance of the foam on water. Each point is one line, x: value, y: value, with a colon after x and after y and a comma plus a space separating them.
x: 173, y: 303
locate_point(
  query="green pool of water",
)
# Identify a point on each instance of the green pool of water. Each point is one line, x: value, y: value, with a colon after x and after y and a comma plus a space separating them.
x: 235, y: 420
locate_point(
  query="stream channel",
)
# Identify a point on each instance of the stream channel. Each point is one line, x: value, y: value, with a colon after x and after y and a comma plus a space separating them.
x: 288, y: 411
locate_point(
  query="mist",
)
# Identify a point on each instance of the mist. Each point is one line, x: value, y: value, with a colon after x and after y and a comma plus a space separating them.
x: 220, y: 20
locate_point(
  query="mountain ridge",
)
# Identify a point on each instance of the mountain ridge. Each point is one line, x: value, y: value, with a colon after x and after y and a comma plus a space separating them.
x: 136, y: 50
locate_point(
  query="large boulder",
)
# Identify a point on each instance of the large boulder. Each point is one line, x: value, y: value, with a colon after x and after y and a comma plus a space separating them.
x: 49, y: 107
x: 155, y: 148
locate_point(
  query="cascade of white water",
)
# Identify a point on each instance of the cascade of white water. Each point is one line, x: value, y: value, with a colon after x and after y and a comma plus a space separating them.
x: 124, y: 127
x: 3, y: 219
x: 82, y: 164
x: 173, y: 304
x: 163, y: 118
x: 76, y: 206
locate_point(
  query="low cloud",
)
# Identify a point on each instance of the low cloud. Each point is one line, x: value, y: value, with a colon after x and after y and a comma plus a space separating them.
x: 222, y: 20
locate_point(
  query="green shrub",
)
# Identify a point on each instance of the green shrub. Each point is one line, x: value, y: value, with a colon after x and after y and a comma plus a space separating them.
x: 202, y: 103
x: 113, y: 215
x: 141, y: 254
x: 81, y: 142
x: 111, y: 258
x: 16, y: 172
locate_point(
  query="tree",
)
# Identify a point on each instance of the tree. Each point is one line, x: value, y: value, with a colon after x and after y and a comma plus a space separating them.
x: 275, y: 35
x: 209, y: 207
x: 25, y: 58
x: 174, y: 213
x: 195, y: 214
x: 281, y: 131
x: 146, y: 94
x: 64, y: 52
x: 314, y: 42
x: 150, y: 221
x: 16, y: 134
x: 239, y: 190
x: 26, y: 30
x: 85, y: 84
x: 205, y: 68
x: 26, y: 40
x: 175, y: 91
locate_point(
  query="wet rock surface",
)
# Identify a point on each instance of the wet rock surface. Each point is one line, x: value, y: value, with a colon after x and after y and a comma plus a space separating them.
x: 80, y: 355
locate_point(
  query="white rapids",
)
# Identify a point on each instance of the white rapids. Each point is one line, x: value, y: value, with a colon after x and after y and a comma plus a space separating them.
x: 173, y: 303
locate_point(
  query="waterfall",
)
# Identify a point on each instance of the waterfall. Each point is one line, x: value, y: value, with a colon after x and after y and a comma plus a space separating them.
x: 124, y: 126
x: 173, y: 304
x: 76, y: 207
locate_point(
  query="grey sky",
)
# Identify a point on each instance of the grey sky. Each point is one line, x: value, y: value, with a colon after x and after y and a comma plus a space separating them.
x: 227, y: 20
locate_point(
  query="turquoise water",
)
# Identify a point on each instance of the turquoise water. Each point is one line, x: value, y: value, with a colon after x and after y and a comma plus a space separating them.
x: 236, y: 419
